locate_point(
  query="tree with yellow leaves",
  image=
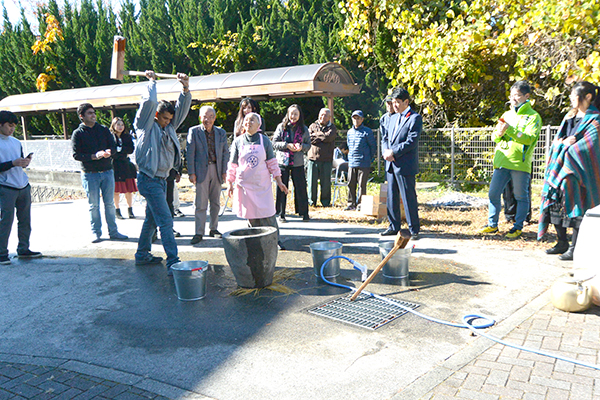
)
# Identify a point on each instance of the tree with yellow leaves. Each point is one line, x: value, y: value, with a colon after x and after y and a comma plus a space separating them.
x: 459, y: 58
x: 52, y: 35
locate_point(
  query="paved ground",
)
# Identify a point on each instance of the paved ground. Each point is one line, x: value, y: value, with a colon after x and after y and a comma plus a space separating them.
x: 85, y: 321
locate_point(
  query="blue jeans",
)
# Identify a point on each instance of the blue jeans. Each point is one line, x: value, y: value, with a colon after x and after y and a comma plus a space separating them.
x: 158, y: 214
x: 521, y: 190
x: 94, y: 183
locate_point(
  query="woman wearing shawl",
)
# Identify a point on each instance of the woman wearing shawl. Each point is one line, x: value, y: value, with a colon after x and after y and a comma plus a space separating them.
x: 572, y: 178
x: 291, y: 141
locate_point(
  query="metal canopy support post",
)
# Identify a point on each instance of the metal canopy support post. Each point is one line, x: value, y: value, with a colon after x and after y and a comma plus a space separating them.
x: 452, y: 157
x: 330, y: 106
x: 24, y: 124
x: 63, y: 114
x: 378, y: 150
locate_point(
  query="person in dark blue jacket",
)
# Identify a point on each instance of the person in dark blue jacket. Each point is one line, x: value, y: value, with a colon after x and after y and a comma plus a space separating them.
x: 400, y: 149
x: 363, y: 148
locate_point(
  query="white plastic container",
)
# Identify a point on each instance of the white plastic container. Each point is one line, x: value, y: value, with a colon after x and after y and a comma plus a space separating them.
x: 586, y: 256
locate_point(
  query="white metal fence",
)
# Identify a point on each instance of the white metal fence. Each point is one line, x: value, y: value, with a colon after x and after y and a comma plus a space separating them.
x: 459, y: 155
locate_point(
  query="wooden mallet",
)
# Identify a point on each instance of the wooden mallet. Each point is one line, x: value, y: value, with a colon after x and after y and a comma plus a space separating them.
x: 399, y: 243
x: 118, y: 62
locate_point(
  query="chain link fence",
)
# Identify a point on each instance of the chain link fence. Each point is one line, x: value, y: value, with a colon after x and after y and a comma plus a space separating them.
x: 453, y: 155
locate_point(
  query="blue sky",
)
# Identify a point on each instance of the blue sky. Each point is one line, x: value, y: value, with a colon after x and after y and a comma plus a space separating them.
x: 13, y: 8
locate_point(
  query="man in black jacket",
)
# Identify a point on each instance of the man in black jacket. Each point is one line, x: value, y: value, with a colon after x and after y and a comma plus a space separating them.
x: 93, y: 145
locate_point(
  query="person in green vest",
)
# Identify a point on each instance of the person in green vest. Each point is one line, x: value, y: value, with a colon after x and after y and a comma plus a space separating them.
x: 516, y: 136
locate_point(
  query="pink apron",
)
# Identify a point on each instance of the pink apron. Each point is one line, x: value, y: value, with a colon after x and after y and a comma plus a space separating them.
x: 253, y: 198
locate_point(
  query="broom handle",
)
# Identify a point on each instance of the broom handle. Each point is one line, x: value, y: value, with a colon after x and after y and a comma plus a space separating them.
x: 397, y: 247
x: 140, y: 73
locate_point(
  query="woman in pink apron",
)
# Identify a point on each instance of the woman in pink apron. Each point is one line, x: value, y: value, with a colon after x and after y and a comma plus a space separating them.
x: 252, y: 162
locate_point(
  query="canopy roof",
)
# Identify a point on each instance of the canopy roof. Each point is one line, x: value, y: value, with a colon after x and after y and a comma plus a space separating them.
x: 329, y: 80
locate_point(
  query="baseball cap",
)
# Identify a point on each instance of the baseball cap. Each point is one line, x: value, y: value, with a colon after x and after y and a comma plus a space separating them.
x: 359, y: 113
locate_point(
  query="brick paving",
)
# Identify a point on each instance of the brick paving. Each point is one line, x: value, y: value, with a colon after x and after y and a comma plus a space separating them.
x: 506, y: 373
x: 25, y: 381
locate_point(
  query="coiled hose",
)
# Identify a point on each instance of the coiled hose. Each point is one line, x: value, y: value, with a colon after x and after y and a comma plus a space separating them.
x: 468, y: 320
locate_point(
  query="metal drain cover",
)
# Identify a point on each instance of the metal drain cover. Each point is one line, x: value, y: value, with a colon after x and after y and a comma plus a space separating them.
x: 366, y: 311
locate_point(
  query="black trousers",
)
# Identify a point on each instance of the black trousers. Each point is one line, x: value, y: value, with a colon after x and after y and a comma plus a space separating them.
x: 357, y: 177
x: 300, y: 192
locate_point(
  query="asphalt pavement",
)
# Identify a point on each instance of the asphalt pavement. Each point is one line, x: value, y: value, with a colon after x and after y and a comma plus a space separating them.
x: 85, y: 322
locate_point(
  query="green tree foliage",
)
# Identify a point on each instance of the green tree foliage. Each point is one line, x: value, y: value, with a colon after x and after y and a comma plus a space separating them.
x: 459, y: 58
x: 199, y: 37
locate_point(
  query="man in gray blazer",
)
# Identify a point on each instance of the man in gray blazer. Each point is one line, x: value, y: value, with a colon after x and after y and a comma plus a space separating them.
x: 207, y: 156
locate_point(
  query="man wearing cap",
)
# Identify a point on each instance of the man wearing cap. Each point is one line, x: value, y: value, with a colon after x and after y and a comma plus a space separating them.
x: 320, y: 157
x: 389, y: 111
x: 400, y: 146
x: 362, y: 148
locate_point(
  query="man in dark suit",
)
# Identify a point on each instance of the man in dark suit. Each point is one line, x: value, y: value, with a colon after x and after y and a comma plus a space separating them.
x: 400, y: 147
x: 207, y: 156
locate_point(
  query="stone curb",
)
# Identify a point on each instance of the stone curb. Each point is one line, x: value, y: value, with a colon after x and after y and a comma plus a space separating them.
x: 109, y: 374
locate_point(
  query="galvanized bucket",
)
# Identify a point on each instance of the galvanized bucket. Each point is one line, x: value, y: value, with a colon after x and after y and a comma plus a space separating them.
x: 321, y: 251
x: 397, y: 266
x: 190, y: 279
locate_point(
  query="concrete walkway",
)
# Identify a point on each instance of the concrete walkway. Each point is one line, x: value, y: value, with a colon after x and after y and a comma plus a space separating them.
x: 85, y: 322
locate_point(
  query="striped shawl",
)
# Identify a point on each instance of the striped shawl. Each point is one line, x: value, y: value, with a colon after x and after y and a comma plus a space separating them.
x: 574, y: 171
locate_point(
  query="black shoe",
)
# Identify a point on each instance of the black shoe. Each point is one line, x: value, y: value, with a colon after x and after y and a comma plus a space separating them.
x: 179, y: 214
x: 176, y: 234
x: 415, y: 236
x: 4, y: 260
x: 130, y: 212
x: 389, y: 232
x: 215, y: 233
x: 196, y: 239
x: 568, y: 255
x: 29, y: 254
x: 306, y: 218
x: 559, y: 248
x: 150, y: 260
x: 350, y: 208
x: 282, y: 219
x: 118, y: 214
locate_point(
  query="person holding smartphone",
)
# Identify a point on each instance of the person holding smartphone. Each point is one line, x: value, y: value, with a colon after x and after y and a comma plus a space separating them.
x: 15, y: 191
x: 93, y: 145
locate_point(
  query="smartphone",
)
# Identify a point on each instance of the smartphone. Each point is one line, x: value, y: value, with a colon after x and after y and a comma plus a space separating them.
x: 29, y: 155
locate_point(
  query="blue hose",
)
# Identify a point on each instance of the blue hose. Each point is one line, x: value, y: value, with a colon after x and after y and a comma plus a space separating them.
x: 467, y: 319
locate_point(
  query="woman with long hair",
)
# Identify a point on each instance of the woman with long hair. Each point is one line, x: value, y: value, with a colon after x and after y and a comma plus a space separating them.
x: 247, y: 106
x: 125, y: 170
x: 291, y: 141
x: 572, y: 178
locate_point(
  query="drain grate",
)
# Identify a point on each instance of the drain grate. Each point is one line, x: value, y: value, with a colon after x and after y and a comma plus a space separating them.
x: 366, y: 311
